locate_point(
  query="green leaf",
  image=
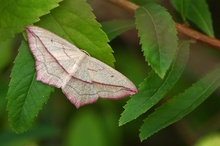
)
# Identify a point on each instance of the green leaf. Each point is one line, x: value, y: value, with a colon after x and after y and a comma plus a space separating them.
x: 74, y: 21
x: 26, y: 96
x: 117, y: 27
x: 198, y: 12
x: 158, y: 36
x: 181, y: 6
x: 154, y: 88
x: 181, y: 105
x: 15, y: 14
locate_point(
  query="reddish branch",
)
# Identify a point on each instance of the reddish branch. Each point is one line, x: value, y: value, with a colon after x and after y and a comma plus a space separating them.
x: 181, y: 28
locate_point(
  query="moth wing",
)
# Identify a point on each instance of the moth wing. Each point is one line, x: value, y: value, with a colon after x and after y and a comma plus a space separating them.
x: 95, y: 79
x: 54, y: 56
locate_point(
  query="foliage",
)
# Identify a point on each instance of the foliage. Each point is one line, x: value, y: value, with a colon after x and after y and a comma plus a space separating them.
x: 196, y: 11
x: 166, y: 53
x: 154, y: 88
x: 26, y: 95
x: 157, y: 49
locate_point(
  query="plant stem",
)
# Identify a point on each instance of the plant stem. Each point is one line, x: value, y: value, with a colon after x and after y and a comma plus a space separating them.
x: 181, y: 28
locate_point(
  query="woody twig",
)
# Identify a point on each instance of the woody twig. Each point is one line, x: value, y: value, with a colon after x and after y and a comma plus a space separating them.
x: 181, y: 28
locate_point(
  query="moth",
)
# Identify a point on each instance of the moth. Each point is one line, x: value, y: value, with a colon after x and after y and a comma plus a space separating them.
x: 81, y: 77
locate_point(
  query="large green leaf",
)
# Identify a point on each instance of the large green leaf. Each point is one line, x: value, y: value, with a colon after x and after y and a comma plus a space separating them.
x: 154, y: 88
x: 117, y: 27
x: 181, y: 105
x: 15, y: 14
x: 26, y: 95
x: 157, y: 35
x: 74, y: 21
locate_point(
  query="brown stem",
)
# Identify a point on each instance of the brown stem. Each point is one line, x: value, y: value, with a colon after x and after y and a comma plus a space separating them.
x: 181, y: 28
x: 197, y: 36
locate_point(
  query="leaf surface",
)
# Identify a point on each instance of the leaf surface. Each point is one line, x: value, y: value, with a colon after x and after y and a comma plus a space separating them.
x: 181, y: 105
x: 74, y: 21
x: 181, y: 6
x: 15, y: 14
x: 154, y: 88
x: 26, y: 95
x: 198, y: 12
x: 157, y: 35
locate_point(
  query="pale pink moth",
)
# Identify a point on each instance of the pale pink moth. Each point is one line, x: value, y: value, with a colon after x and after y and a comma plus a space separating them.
x: 82, y: 78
